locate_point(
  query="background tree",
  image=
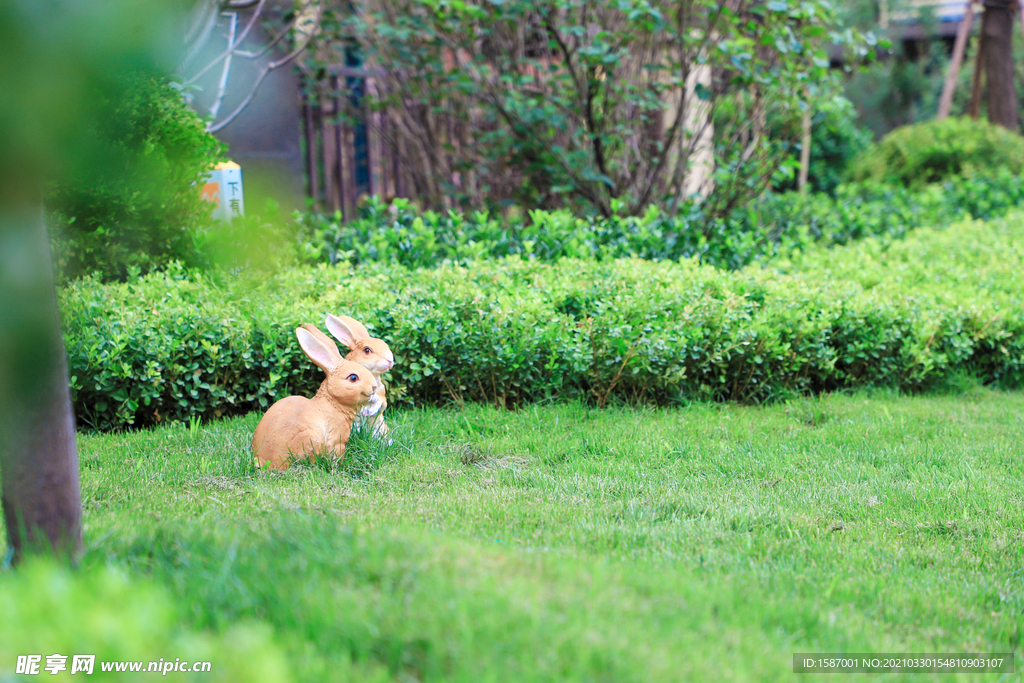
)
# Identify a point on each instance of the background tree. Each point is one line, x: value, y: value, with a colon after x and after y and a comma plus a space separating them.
x: 997, y: 56
x: 55, y: 58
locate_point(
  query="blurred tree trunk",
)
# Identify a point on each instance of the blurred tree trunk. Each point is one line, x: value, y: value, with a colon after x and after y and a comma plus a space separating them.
x: 997, y: 41
x: 38, y: 460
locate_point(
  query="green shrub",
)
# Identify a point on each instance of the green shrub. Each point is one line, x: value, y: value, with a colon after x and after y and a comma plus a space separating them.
x: 48, y: 610
x: 899, y: 313
x: 137, y: 208
x: 568, y: 105
x: 773, y: 224
x: 938, y: 150
x: 836, y: 139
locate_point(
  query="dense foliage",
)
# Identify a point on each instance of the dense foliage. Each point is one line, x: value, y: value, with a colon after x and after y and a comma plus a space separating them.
x: 774, y: 223
x: 135, y: 205
x: 836, y: 140
x: 939, y: 150
x: 578, y: 103
x: 903, y: 313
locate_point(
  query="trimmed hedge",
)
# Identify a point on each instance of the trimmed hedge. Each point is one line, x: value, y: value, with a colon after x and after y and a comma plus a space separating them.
x: 773, y: 224
x: 904, y: 314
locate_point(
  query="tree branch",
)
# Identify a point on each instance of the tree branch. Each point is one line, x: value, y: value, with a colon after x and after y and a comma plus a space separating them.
x: 196, y: 46
x: 231, y: 45
x: 222, y: 87
x: 214, y: 127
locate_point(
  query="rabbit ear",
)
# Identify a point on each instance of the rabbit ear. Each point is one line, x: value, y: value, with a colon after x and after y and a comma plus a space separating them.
x: 357, y: 327
x: 324, y: 339
x: 346, y: 330
x: 324, y: 357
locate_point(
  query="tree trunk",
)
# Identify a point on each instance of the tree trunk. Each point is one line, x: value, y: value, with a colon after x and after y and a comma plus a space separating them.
x: 997, y: 29
x: 805, y: 151
x: 38, y: 461
x: 700, y: 136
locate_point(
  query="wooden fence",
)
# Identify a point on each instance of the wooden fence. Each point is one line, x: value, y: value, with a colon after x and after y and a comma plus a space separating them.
x: 349, y: 151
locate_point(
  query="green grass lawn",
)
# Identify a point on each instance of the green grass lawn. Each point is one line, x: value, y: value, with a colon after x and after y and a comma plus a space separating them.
x: 563, y: 543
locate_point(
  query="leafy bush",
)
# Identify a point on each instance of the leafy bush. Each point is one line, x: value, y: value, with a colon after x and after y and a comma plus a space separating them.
x: 581, y: 105
x: 770, y: 225
x: 901, y: 313
x: 48, y: 610
x: 836, y: 139
x: 138, y: 208
x: 938, y: 150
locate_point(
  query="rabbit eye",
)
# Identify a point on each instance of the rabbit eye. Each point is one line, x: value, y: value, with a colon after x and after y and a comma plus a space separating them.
x: 353, y: 377
x: 367, y: 350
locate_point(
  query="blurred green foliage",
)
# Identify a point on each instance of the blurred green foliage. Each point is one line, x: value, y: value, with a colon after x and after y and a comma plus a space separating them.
x: 938, y: 150
x: 49, y: 610
x: 905, y: 87
x: 58, y: 60
x: 901, y: 313
x: 836, y: 139
x: 142, y: 208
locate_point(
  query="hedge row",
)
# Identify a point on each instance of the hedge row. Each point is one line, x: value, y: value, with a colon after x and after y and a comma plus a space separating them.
x: 169, y: 346
x: 773, y: 224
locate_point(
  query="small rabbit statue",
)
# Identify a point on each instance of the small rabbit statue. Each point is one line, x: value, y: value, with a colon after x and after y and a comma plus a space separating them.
x: 374, y: 355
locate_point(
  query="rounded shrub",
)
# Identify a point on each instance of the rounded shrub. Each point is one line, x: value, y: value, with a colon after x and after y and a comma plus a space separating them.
x: 933, y: 151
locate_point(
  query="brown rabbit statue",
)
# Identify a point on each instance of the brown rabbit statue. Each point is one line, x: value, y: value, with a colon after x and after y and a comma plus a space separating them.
x: 299, y: 427
x: 374, y: 355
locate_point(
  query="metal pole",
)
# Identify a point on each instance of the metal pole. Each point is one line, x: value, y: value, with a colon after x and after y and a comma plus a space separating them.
x: 372, y: 184
x: 384, y: 145
x: 963, y: 32
x: 339, y: 146
x: 311, y: 153
x: 399, y: 178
